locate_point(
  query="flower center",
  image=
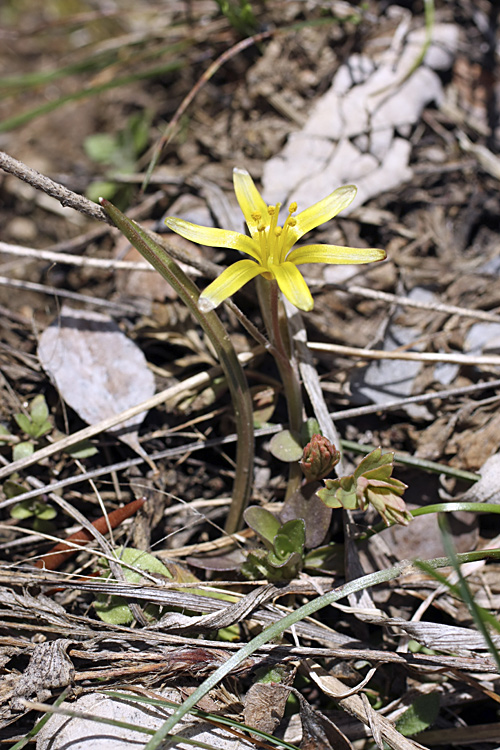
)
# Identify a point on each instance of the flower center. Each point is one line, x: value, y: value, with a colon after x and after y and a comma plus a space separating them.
x: 274, y: 240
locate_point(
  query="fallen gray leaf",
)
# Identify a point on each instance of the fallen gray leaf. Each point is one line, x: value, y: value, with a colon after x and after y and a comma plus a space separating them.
x: 97, y: 369
x: 487, y: 490
x: 86, y: 734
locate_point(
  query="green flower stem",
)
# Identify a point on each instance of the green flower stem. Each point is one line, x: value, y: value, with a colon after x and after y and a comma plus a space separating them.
x: 240, y: 394
x: 269, y: 304
x: 451, y: 506
x: 274, y: 631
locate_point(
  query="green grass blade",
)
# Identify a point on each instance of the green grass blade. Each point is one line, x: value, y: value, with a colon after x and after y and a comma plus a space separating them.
x: 14, y: 122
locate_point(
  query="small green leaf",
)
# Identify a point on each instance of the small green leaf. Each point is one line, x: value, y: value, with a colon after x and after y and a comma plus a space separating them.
x: 339, y: 493
x: 21, y: 511
x: 142, y: 560
x: 4, y: 432
x: 375, y: 460
x: 83, y: 449
x: 24, y: 423
x: 114, y: 609
x: 12, y: 488
x: 286, y: 446
x: 290, y: 538
x: 100, y: 147
x: 39, y: 410
x: 276, y: 673
x: 22, y: 450
x: 422, y: 713
x: 288, y: 548
x: 262, y: 521
x: 284, y: 568
x: 101, y: 189
x: 41, y: 429
x: 309, y: 428
x: 256, y: 565
x: 44, y: 511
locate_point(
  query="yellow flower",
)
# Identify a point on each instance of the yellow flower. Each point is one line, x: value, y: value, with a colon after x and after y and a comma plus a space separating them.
x: 272, y: 246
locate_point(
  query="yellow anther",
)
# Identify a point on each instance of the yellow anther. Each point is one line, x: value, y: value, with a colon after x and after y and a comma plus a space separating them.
x: 271, y: 210
x: 292, y: 221
x: 261, y: 228
x: 256, y: 216
x: 293, y: 208
x: 277, y: 231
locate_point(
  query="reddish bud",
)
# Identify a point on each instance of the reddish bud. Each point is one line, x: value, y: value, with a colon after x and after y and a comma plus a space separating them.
x: 318, y: 458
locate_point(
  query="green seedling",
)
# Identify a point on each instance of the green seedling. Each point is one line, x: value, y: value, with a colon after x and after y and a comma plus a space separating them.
x: 297, y: 540
x: 240, y: 15
x: 41, y: 513
x: 114, y: 609
x: 285, y: 542
x: 37, y: 423
x: 370, y: 483
x: 119, y: 152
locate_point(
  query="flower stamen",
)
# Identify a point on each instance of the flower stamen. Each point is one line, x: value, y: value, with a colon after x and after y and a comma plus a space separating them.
x: 283, y: 245
x: 261, y: 228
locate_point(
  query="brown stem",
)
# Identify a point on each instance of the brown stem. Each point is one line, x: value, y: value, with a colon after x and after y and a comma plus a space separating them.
x: 58, y: 554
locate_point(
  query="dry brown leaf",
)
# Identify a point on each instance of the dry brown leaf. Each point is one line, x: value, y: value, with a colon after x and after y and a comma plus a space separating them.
x: 265, y: 706
x: 50, y: 667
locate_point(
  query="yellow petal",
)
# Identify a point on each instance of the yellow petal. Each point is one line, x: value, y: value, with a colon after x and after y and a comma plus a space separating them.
x: 335, y: 254
x: 229, y: 281
x: 324, y: 210
x: 249, y: 198
x: 212, y: 236
x: 292, y: 284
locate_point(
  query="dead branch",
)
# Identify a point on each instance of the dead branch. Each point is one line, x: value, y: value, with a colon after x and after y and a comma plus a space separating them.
x: 65, y: 196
